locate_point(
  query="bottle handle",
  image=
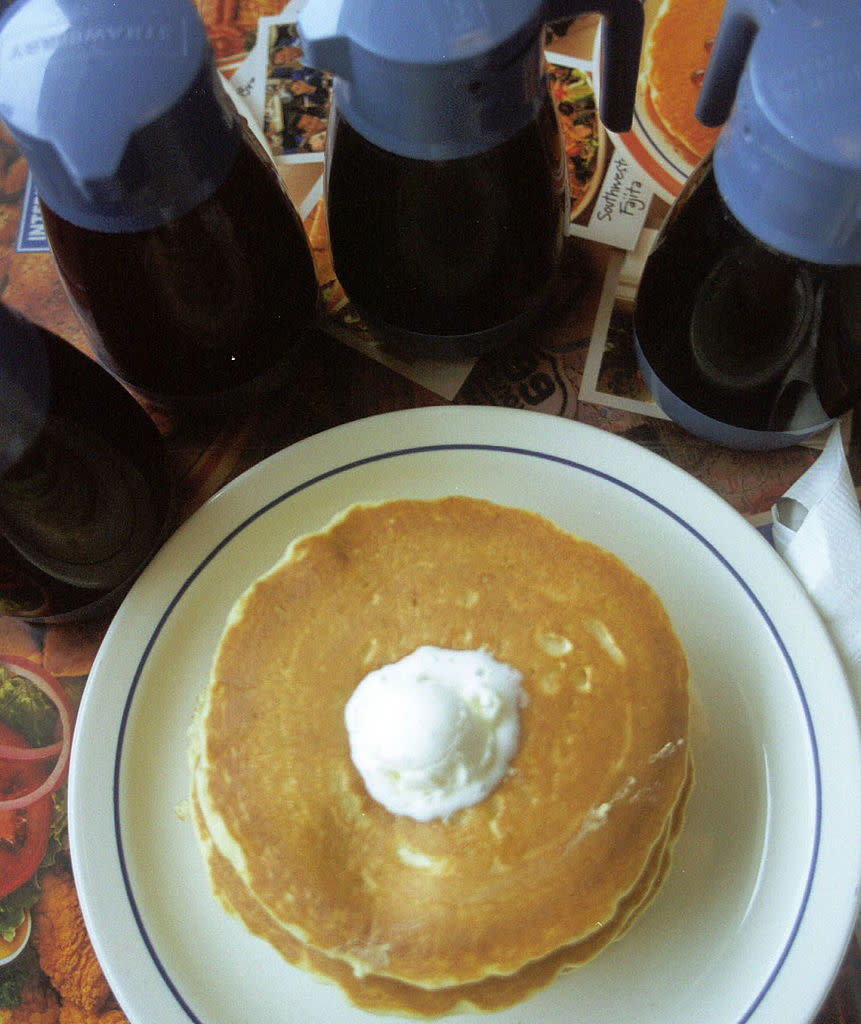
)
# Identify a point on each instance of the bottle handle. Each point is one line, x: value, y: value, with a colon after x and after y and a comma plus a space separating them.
x: 738, y: 27
x: 621, y: 43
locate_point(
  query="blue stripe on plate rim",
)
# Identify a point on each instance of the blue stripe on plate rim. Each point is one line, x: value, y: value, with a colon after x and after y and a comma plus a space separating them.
x: 672, y: 162
x: 431, y: 449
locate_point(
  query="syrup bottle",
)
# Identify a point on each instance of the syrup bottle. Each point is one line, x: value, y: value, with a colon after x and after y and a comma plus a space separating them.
x: 85, y: 488
x: 446, y: 179
x: 748, y: 313
x: 170, y: 227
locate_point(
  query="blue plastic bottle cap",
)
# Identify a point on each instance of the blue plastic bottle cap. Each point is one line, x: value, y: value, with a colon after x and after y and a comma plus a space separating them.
x: 117, y: 108
x: 444, y: 79
x: 788, y: 161
x: 429, y: 80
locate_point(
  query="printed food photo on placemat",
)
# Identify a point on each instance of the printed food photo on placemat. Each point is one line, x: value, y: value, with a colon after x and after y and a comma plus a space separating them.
x: 666, y: 138
x: 297, y: 97
x: 583, y: 134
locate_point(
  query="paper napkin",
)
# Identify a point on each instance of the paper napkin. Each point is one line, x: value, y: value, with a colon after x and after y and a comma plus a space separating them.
x: 817, y: 530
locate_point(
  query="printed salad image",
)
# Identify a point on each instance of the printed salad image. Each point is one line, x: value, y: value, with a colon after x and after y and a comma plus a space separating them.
x: 581, y: 129
x: 36, y: 721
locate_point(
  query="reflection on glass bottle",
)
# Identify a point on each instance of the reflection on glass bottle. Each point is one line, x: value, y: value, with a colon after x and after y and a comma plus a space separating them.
x: 84, y: 484
x: 741, y: 332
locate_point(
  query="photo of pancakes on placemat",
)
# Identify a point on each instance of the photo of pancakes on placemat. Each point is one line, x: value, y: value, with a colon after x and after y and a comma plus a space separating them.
x: 678, y: 39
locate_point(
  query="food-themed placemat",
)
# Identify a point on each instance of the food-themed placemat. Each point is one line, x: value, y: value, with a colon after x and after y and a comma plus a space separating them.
x: 580, y: 364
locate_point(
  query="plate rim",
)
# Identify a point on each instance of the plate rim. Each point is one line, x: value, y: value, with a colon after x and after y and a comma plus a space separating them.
x: 420, y: 419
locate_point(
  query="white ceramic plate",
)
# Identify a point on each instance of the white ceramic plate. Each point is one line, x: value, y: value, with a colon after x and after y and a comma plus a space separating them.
x: 761, y: 899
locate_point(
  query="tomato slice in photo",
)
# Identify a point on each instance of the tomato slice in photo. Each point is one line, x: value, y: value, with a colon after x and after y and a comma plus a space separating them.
x: 23, y: 831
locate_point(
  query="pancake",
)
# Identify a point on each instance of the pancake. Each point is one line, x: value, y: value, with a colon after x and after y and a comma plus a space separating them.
x: 676, y: 54
x: 575, y: 832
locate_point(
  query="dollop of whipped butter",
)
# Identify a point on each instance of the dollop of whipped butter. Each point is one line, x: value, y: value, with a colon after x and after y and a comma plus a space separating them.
x: 435, y: 731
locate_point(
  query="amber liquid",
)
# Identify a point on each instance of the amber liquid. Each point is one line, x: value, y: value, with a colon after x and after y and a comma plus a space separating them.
x: 443, y: 251
x: 742, y: 333
x: 87, y: 501
x: 212, y: 303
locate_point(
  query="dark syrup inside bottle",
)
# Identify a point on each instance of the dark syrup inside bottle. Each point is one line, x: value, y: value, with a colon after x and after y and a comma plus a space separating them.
x: 741, y: 332
x: 451, y: 254
x: 85, y: 490
x: 212, y: 303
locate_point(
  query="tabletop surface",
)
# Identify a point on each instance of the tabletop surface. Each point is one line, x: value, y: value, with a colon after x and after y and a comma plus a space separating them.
x: 578, y: 363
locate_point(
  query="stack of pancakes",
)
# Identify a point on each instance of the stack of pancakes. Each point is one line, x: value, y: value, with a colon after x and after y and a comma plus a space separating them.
x: 491, y: 903
x: 676, y: 52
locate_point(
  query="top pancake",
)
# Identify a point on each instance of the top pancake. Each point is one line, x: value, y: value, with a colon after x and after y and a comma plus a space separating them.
x: 542, y: 862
